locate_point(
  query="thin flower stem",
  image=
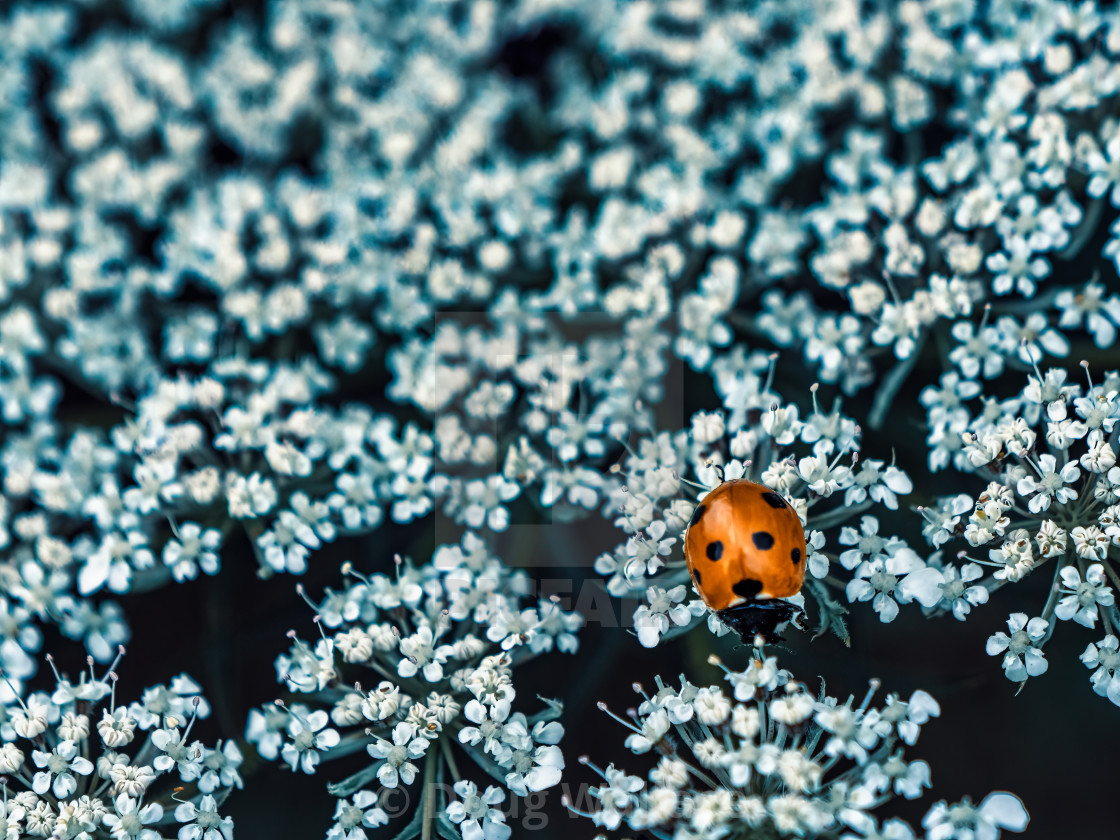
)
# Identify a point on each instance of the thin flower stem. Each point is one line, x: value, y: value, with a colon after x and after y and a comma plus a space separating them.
x: 764, y: 722
x: 893, y: 381
x: 1085, y: 231
x: 1051, y: 603
x: 376, y: 666
x: 445, y: 746
x: 428, y: 803
x: 837, y: 515
x: 700, y: 774
x: 829, y: 763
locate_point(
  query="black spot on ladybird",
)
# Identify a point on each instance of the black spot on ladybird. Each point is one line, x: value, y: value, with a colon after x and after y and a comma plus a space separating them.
x: 795, y: 556
x: 747, y: 588
x: 696, y: 575
x: 696, y: 514
x: 773, y: 499
x: 763, y: 540
x: 714, y: 550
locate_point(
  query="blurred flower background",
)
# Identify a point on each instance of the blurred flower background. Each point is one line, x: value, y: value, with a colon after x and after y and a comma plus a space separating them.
x: 365, y: 362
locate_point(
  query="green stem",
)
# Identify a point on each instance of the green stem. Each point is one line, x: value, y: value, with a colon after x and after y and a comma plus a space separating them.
x: 445, y: 745
x: 1052, y: 601
x: 893, y: 381
x: 833, y: 517
x: 428, y: 805
x: 1085, y: 230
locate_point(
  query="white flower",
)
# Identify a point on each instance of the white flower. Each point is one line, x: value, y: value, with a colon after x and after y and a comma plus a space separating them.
x: 882, y: 485
x: 1080, y: 604
x: 249, y: 497
x: 817, y: 563
x: 782, y: 424
x: 1101, y: 457
x: 707, y: 427
x: 1017, y: 555
x: 394, y: 766
x: 1050, y: 484
x: 867, y: 541
x: 350, y: 817
x: 129, y: 820
x: 116, y: 728
x: 422, y: 654
x: 11, y: 819
x: 665, y: 609
x: 877, y: 581
x: 381, y: 702
x: 540, y: 767
x: 476, y: 815
x: 1022, y: 657
x: 712, y: 707
x: 964, y: 821
x: 853, y: 733
x: 205, y: 823
x: 958, y: 594
x: 11, y: 758
x: 941, y: 523
x: 908, y: 717
x: 309, y: 734
x: 220, y: 768
x: 30, y: 720
x: 653, y: 728
x: 60, y: 764
x: 823, y: 478
x: 646, y: 552
x: 1090, y: 543
x: 978, y: 352
x: 1104, y: 658
x: 265, y: 729
x: 176, y: 753
x: 1051, y: 539
x: 192, y: 548
x: 762, y: 675
x: 615, y: 797
x: 488, y: 720
x: 1101, y: 315
x: 485, y: 502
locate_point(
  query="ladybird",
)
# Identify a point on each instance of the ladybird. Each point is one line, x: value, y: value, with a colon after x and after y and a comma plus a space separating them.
x: 745, y: 550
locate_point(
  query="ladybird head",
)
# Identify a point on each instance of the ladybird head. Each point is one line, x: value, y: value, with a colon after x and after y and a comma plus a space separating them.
x: 762, y: 618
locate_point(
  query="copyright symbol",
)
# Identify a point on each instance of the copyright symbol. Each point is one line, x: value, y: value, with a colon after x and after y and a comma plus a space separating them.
x: 394, y: 801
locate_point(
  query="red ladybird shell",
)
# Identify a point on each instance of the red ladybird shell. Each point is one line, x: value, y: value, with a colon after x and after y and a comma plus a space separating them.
x: 744, y: 543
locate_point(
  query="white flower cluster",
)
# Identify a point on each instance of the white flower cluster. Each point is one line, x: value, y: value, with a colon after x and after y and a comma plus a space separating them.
x: 441, y: 642
x: 985, y: 178
x: 763, y: 757
x: 814, y: 462
x: 215, y: 310
x: 275, y: 279
x: 1049, y: 457
x: 78, y: 764
x: 662, y: 193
